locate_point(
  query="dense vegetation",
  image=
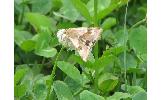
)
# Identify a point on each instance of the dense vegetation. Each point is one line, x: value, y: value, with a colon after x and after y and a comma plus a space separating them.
x: 46, y: 70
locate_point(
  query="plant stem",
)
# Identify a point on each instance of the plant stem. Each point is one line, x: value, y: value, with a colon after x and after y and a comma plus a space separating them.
x: 22, y: 14
x: 95, y: 25
x: 55, y: 65
x: 95, y: 13
x: 125, y: 46
x: 53, y: 72
x: 138, y: 23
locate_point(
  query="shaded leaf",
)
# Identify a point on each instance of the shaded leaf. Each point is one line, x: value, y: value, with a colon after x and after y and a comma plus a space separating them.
x: 41, y: 6
x: 131, y: 61
x: 138, y: 39
x: 40, y: 89
x: 109, y: 37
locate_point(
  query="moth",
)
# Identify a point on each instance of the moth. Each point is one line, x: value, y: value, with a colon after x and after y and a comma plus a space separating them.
x: 81, y: 39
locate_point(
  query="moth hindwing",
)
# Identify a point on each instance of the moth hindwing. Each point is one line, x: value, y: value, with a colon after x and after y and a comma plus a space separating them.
x: 81, y: 39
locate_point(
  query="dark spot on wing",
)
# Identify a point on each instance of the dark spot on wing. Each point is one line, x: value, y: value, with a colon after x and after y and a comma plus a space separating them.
x: 87, y: 42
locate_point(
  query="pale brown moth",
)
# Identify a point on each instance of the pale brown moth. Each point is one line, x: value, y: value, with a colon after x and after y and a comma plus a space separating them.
x: 81, y: 39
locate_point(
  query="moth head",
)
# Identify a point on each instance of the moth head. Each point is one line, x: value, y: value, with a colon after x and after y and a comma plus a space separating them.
x: 61, y: 35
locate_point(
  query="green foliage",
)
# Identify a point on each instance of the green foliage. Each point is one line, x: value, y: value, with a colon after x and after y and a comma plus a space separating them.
x: 48, y: 52
x: 87, y: 95
x: 70, y: 70
x: 112, y: 6
x: 108, y: 23
x: 105, y: 75
x: 39, y: 22
x: 138, y: 39
x: 107, y: 82
x: 41, y: 6
x: 81, y: 7
x: 62, y: 90
x: 119, y: 96
x: 40, y: 89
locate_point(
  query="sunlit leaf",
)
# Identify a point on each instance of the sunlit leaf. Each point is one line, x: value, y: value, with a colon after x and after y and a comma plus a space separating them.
x: 107, y: 82
x: 87, y: 95
x: 62, y: 91
x: 81, y: 7
x: 70, y: 70
x: 119, y: 96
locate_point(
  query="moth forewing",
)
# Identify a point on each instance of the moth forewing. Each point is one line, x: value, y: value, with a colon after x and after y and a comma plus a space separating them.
x: 80, y: 39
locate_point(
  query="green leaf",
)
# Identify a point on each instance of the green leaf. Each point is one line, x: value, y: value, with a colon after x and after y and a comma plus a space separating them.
x: 28, y: 45
x: 40, y: 22
x: 108, y: 23
x: 64, y: 25
x: 48, y: 52
x: 131, y: 61
x: 69, y: 11
x: 56, y: 4
x: 81, y: 7
x: 104, y: 61
x: 42, y: 47
x: 87, y: 95
x: 41, y: 6
x: 21, y: 36
x: 140, y: 96
x: 120, y: 96
x: 73, y: 85
x: 119, y: 37
x: 54, y: 42
x: 62, y: 91
x: 20, y: 90
x: 101, y: 5
x: 107, y: 82
x: 138, y: 39
x: 113, y: 5
x: 133, y: 89
x: 109, y: 37
x: 70, y: 70
x: 20, y: 73
x: 116, y: 50
x: 77, y: 59
x: 42, y: 40
x: 137, y: 92
x: 40, y: 89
